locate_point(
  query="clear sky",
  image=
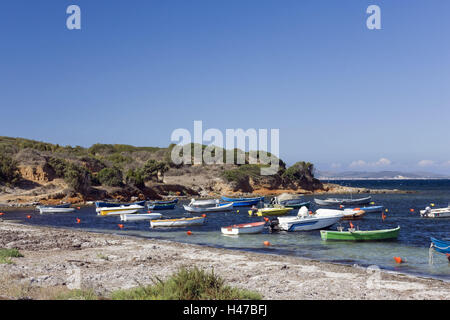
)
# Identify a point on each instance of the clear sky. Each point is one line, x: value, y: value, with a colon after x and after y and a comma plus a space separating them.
x: 343, y: 96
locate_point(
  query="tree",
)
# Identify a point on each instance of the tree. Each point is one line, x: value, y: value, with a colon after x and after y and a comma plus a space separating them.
x: 9, y: 173
x: 134, y: 177
x: 299, y: 172
x: 78, y: 178
x: 110, y: 177
x: 153, y: 169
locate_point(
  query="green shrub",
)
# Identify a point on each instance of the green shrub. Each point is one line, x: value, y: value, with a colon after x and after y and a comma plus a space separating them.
x: 7, y: 254
x: 58, y: 165
x: 9, y: 173
x: 135, y: 178
x: 242, y: 173
x: 77, y: 177
x: 110, y: 177
x: 152, y: 168
x: 187, y: 284
x: 119, y: 159
x: 300, y: 171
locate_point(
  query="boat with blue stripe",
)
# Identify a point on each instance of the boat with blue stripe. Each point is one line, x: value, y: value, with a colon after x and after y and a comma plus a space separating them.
x: 441, y: 246
x: 369, y: 209
x: 243, y: 202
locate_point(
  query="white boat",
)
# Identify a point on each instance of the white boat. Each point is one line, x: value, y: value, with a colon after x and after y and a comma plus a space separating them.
x: 54, y: 209
x: 216, y: 208
x: 339, y: 201
x: 109, y: 206
x: 435, y: 213
x: 244, y: 228
x: 199, y: 203
x: 139, y: 216
x: 321, y: 219
x: 181, y: 222
x: 107, y: 211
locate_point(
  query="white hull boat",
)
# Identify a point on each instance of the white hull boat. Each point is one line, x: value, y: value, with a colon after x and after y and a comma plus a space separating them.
x: 244, y: 228
x: 55, y: 210
x: 199, y: 203
x: 336, y: 201
x: 216, y: 208
x: 321, y: 219
x: 143, y: 216
x: 120, y: 210
x: 435, y: 213
x: 121, y: 207
x: 181, y: 222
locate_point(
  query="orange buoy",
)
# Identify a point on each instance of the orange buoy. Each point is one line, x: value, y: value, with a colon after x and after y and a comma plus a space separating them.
x: 189, y: 233
x: 310, y: 212
x: 78, y: 208
x: 383, y: 216
x: 149, y: 211
x: 351, y: 225
x: 29, y: 216
x: 120, y: 226
x: 78, y: 220
x: 2, y: 213
x: 412, y: 210
x: 399, y: 260
x: 266, y: 219
x: 341, y: 206
x: 204, y: 215
x: 266, y: 243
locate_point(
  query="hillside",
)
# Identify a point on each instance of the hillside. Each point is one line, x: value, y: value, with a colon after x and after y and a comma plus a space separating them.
x: 34, y: 171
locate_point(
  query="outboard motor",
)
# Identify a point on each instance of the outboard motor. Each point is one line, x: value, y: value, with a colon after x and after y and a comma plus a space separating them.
x: 427, y: 211
x: 273, y: 226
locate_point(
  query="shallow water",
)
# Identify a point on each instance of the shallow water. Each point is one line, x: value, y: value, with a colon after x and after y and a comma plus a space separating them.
x: 413, y: 242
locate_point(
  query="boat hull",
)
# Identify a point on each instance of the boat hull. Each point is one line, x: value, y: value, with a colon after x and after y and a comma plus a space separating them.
x: 334, y: 201
x: 245, y: 228
x: 271, y: 212
x: 219, y: 208
x: 177, y: 223
x: 168, y: 206
x: 371, y: 209
x: 257, y: 199
x: 56, y: 210
x: 307, y: 223
x: 296, y: 205
x: 435, y: 213
x: 137, y: 217
x: 441, y: 245
x: 374, y: 235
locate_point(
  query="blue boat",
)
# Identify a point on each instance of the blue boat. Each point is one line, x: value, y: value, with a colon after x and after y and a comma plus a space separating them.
x: 257, y: 199
x: 370, y: 209
x: 161, y: 206
x: 441, y: 245
x: 245, y: 203
x: 102, y: 204
x: 164, y: 202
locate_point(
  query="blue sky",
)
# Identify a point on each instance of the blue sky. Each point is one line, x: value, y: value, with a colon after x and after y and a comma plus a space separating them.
x: 343, y: 96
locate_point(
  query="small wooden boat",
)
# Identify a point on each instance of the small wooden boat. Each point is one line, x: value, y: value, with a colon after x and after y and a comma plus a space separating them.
x: 441, y: 246
x: 217, y: 208
x: 353, y: 214
x: 176, y: 223
x: 370, y: 209
x: 200, y: 203
x: 110, y: 205
x: 435, y: 213
x: 245, y: 203
x: 140, y: 216
x: 291, y: 203
x: 321, y: 219
x: 128, y: 209
x: 270, y: 211
x: 359, y: 235
x: 163, y: 202
x: 337, y: 201
x: 162, y: 206
x: 228, y: 199
x: 61, y: 208
x: 244, y: 228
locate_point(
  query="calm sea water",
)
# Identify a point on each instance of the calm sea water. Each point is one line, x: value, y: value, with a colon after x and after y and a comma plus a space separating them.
x: 413, y: 242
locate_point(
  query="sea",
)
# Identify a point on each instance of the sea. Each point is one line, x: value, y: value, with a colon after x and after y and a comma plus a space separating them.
x: 412, y: 244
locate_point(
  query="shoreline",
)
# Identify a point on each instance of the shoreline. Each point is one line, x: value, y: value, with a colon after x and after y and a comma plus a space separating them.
x: 108, y: 262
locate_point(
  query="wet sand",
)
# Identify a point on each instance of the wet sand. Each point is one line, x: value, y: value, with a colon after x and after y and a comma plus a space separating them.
x: 104, y: 262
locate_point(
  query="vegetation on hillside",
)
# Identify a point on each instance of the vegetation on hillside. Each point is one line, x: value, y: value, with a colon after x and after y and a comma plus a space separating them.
x: 9, y: 173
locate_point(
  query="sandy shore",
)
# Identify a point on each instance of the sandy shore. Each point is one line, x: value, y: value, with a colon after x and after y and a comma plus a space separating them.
x: 103, y: 262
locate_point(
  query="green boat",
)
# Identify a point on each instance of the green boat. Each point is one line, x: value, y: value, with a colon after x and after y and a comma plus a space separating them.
x: 359, y: 235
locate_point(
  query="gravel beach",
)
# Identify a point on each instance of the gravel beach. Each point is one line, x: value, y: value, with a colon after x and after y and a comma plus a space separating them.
x: 104, y: 262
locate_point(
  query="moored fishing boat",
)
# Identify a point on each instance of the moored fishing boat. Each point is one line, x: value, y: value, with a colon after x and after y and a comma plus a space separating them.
x: 435, y: 213
x: 321, y: 219
x: 339, y: 201
x: 353, y: 214
x: 245, y: 203
x: 161, y: 206
x: 244, y: 228
x: 217, y: 208
x: 140, y: 216
x: 180, y: 222
x: 101, y: 205
x: 360, y: 235
x: 61, y: 208
x: 126, y: 209
x: 207, y: 202
x: 369, y: 209
x: 291, y: 203
x: 228, y: 199
x: 441, y: 246
x: 269, y: 211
